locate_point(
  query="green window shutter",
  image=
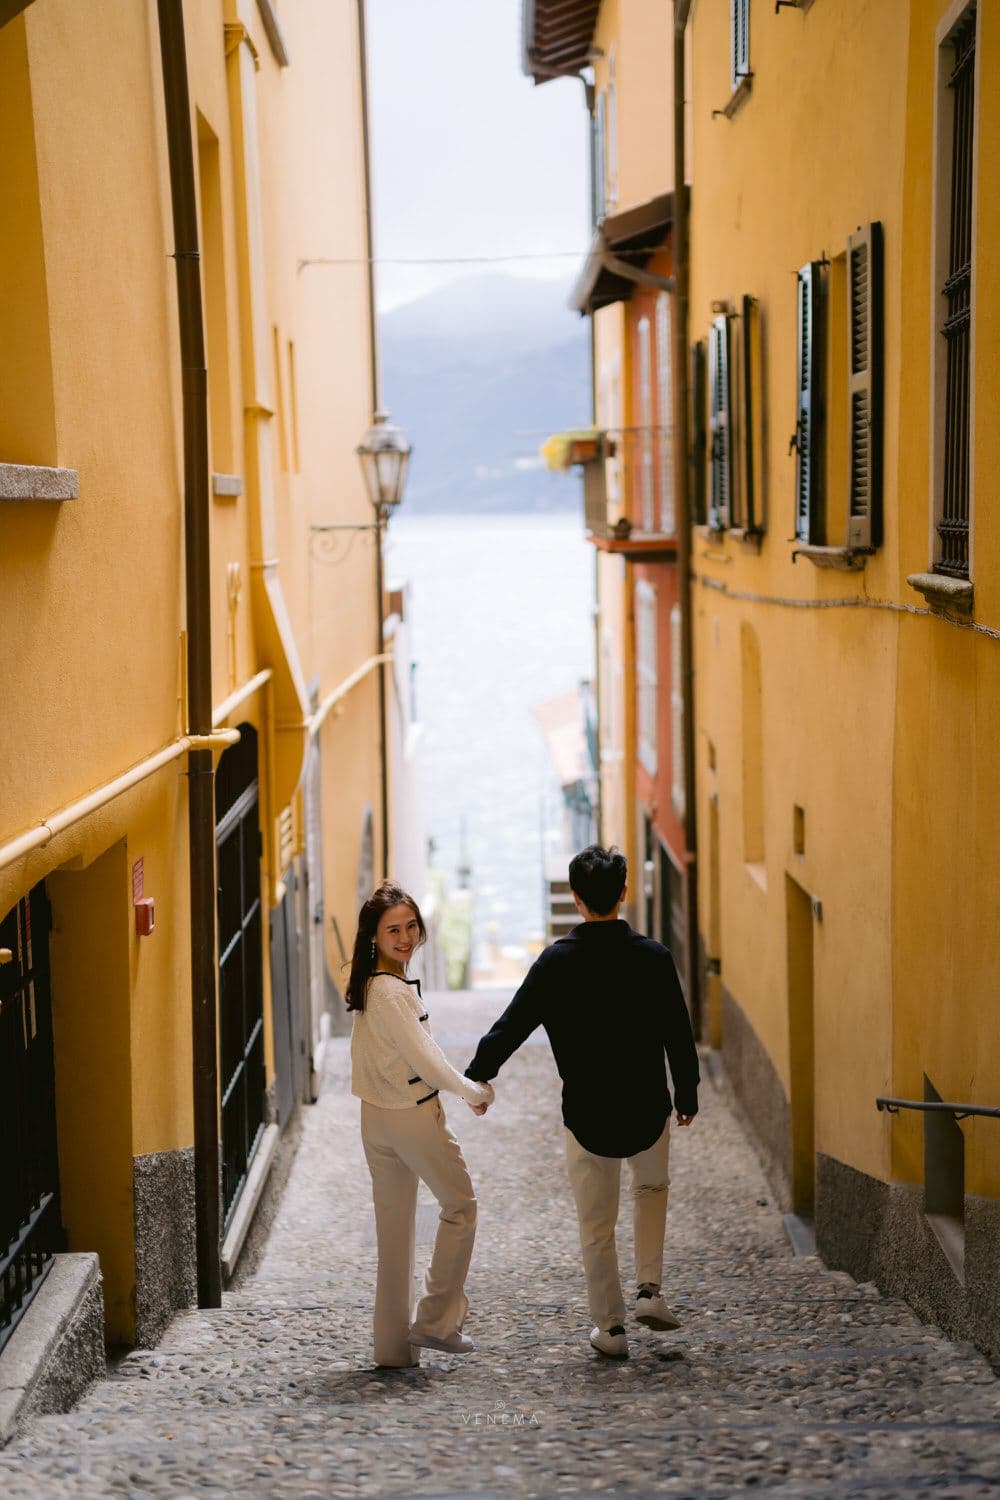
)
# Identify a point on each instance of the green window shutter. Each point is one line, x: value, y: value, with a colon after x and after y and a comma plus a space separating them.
x: 864, y: 331
x: 699, y: 442
x: 721, y: 427
x: 810, y: 422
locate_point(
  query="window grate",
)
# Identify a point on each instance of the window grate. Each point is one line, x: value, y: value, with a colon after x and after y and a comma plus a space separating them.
x: 953, y: 525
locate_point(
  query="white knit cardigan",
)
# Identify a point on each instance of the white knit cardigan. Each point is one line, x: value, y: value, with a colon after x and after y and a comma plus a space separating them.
x: 395, y: 1062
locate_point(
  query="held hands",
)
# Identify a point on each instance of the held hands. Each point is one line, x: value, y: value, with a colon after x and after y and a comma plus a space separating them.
x: 684, y: 1119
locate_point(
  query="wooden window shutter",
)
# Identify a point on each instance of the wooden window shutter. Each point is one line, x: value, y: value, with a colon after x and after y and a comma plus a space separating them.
x: 740, y: 31
x: 864, y: 332
x: 810, y: 423
x: 699, y: 443
x: 720, y: 425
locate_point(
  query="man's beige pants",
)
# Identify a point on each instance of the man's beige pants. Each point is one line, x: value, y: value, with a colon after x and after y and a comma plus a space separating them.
x: 596, y: 1184
x: 402, y: 1147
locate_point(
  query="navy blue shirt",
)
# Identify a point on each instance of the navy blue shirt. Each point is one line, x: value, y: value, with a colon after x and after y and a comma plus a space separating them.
x: 612, y: 1007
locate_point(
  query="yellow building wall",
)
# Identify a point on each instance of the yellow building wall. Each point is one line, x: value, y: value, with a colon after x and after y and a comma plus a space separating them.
x: 772, y: 189
x: 92, y: 646
x: 946, y: 941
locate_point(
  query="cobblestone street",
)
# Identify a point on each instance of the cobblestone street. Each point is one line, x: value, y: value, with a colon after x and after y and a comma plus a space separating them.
x: 784, y: 1377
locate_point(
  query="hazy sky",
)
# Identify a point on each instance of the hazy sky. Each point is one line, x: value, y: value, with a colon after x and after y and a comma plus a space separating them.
x: 469, y: 158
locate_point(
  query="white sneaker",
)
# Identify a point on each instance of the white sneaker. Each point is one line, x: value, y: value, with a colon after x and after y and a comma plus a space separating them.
x: 653, y: 1312
x: 455, y: 1343
x: 610, y: 1341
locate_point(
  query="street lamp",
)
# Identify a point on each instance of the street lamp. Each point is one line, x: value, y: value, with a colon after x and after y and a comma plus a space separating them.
x: 385, y: 455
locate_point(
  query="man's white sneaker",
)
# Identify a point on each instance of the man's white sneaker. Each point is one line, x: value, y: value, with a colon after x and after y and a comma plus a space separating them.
x: 653, y: 1312
x: 610, y: 1341
x: 455, y: 1343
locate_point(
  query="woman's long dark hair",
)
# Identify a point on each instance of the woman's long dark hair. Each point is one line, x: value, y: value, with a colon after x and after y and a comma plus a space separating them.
x: 364, y: 960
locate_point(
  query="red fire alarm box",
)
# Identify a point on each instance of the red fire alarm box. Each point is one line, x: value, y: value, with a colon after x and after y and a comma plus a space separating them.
x: 145, y: 918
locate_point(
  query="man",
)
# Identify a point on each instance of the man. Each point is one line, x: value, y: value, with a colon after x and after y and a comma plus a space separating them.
x: 611, y: 1004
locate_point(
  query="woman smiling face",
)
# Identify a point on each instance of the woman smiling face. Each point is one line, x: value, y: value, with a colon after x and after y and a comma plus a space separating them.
x: 396, y: 937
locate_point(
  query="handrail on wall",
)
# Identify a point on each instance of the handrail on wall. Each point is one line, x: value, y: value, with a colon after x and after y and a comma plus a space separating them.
x: 960, y: 1111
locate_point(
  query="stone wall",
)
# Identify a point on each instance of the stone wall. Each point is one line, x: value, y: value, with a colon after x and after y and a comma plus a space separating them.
x: 165, y: 1264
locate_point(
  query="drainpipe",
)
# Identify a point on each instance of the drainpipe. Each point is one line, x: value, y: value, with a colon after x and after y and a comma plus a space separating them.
x: 683, y: 490
x: 376, y: 404
x: 201, y: 791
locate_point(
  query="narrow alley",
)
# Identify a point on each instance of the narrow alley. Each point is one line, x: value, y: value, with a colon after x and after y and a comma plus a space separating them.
x: 784, y: 1377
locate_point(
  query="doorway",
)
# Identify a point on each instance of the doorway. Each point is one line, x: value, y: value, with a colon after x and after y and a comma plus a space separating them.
x: 30, y: 1229
x: 241, y: 953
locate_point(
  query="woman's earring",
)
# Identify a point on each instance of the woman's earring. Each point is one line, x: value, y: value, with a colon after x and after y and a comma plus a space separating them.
x: 374, y: 951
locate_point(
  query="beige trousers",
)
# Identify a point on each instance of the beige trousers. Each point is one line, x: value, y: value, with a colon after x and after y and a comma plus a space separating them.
x: 402, y: 1147
x: 596, y: 1184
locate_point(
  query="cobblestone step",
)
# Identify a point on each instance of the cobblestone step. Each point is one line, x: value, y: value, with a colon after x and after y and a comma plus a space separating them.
x: 785, y: 1378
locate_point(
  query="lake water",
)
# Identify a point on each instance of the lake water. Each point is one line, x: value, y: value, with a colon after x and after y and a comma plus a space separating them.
x: 502, y: 611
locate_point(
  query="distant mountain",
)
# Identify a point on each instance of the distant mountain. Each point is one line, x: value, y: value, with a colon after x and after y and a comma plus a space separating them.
x: 478, y: 374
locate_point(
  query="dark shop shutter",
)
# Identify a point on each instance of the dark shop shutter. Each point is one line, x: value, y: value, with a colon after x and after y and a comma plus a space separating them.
x: 720, y: 424
x: 864, y: 294
x: 809, y: 423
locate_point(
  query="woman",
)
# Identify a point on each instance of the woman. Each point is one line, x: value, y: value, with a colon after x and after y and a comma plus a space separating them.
x: 397, y: 1072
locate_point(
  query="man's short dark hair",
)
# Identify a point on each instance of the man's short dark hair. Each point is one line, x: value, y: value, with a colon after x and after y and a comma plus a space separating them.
x: 598, y: 877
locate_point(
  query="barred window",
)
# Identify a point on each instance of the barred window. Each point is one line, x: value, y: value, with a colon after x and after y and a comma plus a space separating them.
x: 957, y: 104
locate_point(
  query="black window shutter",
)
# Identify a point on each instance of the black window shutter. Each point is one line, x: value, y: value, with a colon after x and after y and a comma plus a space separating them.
x: 720, y: 424
x: 699, y: 445
x: 810, y: 421
x: 864, y: 330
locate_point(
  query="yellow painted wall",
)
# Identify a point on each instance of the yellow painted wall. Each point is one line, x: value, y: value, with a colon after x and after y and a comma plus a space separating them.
x: 93, y: 589
x: 879, y: 721
x: 946, y: 942
x: 771, y: 190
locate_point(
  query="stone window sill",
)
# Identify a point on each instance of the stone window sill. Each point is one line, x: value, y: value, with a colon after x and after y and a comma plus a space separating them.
x: 947, y: 595
x: 226, y: 486
x: 35, y: 482
x: 846, y: 559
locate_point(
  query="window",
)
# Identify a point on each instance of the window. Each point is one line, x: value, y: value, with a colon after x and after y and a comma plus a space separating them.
x: 677, y: 789
x: 864, y: 334
x: 645, y: 663
x: 810, y: 424
x: 720, y: 425
x: 644, y: 379
x: 954, y: 277
x: 740, y: 41
x: 665, y: 400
